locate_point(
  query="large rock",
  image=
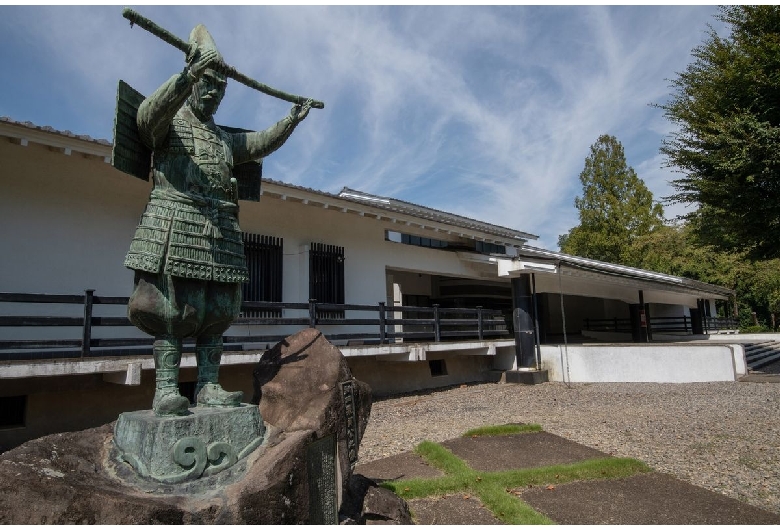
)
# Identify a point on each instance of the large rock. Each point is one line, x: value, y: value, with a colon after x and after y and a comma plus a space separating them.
x: 315, y: 414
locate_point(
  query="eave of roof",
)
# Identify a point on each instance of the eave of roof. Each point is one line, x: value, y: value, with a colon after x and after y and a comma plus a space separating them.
x: 396, y: 205
x: 431, y: 218
x: 52, y: 130
x: 604, y: 267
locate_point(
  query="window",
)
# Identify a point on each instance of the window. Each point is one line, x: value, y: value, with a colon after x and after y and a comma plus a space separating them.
x: 482, y: 247
x: 12, y: 411
x: 438, y: 367
x: 326, y: 276
x: 264, y: 255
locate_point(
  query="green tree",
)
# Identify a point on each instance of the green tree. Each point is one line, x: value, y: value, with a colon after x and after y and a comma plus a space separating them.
x: 615, y: 208
x: 726, y: 105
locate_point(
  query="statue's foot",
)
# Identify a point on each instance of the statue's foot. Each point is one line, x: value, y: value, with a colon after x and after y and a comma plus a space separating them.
x: 170, y: 404
x: 212, y: 395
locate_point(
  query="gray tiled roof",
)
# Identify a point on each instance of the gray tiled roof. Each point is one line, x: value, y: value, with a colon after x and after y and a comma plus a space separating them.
x: 46, y: 128
x: 423, y: 212
x: 613, y: 269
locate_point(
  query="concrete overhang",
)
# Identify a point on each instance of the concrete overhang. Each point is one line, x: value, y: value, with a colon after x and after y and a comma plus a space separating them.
x: 514, y: 268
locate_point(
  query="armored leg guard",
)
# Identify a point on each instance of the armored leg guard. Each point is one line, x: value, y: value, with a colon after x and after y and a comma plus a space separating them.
x: 167, y: 356
x: 208, y: 351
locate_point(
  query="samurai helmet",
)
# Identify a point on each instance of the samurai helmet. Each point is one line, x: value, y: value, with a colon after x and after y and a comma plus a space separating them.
x: 201, y: 36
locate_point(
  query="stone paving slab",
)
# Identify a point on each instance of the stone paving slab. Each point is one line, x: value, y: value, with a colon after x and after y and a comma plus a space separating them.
x: 519, y: 451
x: 398, y: 467
x: 451, y: 509
x: 760, y: 378
x: 647, y: 498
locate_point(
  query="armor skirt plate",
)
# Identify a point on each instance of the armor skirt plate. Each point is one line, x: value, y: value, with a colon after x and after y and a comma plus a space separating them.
x: 180, y: 237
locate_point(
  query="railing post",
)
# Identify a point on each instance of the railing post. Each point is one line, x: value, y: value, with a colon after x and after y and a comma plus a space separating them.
x: 382, y: 323
x: 312, y: 313
x: 436, y: 323
x: 616, y: 327
x: 685, y: 323
x: 479, y: 322
x: 86, y: 338
x: 587, y: 324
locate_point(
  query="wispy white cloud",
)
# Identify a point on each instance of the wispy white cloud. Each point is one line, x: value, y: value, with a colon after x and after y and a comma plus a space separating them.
x: 484, y: 111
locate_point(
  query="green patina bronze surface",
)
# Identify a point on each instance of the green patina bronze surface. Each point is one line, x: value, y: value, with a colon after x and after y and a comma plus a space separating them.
x: 187, y: 252
x: 176, y: 449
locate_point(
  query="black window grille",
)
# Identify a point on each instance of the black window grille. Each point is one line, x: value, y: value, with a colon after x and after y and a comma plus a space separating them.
x: 438, y: 367
x: 326, y: 276
x: 264, y: 259
x: 12, y: 411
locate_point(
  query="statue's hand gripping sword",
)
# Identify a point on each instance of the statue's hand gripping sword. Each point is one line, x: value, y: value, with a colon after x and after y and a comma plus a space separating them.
x: 223, y: 68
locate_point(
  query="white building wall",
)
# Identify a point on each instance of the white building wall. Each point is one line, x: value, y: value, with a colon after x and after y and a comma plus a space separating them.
x: 68, y: 221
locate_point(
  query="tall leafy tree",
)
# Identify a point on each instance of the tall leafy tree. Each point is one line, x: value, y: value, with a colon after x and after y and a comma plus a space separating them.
x: 726, y: 105
x: 615, y: 207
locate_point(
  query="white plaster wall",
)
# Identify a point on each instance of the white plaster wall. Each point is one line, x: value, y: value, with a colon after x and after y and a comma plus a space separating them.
x: 643, y: 363
x: 67, y: 222
x: 413, y: 283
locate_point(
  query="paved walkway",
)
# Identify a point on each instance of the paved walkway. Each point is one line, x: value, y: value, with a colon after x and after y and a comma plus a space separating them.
x: 643, y: 498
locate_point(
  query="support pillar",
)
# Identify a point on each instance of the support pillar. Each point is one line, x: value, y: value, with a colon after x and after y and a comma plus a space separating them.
x: 697, y: 318
x: 640, y: 320
x: 523, y: 321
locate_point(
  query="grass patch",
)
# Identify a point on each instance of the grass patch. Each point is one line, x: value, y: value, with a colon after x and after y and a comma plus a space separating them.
x: 494, y: 488
x: 598, y: 468
x: 499, y: 430
x: 441, y: 458
x: 508, y: 508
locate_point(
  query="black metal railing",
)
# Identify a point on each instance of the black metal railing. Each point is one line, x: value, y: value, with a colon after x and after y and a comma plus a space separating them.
x: 721, y: 323
x: 618, y: 325
x: 362, y: 324
x: 682, y: 324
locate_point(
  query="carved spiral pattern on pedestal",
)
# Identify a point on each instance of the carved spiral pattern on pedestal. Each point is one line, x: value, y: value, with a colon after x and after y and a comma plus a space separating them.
x: 191, y: 454
x: 221, y: 456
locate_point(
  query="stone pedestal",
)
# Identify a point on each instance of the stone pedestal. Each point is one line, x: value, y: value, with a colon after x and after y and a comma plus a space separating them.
x: 174, y: 449
x: 315, y: 414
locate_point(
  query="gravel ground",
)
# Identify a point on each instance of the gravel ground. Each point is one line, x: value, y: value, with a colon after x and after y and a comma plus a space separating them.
x: 722, y: 436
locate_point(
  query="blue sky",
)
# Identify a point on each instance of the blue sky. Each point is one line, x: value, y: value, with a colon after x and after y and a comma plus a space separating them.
x: 488, y: 112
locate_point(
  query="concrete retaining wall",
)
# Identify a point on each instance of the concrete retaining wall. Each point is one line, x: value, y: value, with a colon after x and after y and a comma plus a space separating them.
x: 650, y: 363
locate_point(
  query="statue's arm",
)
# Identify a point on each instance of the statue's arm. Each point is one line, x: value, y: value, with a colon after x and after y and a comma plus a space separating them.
x: 255, y: 145
x: 156, y: 111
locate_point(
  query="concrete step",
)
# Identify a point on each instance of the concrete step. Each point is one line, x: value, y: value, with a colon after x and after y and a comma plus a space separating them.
x: 760, y: 354
x: 757, y: 353
x: 760, y: 363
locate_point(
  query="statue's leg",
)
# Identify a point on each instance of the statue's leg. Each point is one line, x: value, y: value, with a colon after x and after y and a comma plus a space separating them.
x: 167, y: 356
x: 223, y: 305
x: 165, y: 307
x: 208, y: 350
